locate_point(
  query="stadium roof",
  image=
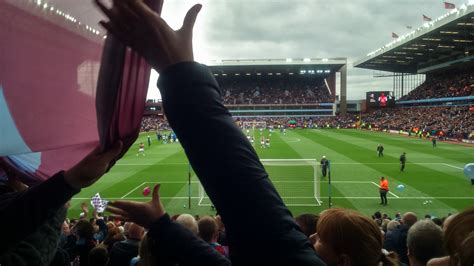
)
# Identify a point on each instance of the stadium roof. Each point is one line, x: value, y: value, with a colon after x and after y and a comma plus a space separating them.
x: 440, y: 43
x: 308, y: 66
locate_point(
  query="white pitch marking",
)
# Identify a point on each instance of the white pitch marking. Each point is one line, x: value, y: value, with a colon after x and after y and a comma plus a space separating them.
x: 400, y: 198
x: 393, y: 194
x: 131, y: 191
x: 452, y: 166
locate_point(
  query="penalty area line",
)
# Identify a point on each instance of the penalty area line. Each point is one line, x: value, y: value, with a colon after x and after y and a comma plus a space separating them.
x: 131, y: 191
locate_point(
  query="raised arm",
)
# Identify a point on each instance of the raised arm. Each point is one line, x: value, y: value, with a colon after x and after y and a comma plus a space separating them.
x: 260, y: 228
x: 22, y: 213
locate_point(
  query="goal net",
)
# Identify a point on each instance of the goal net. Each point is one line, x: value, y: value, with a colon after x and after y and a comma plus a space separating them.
x: 254, y: 125
x: 296, y: 180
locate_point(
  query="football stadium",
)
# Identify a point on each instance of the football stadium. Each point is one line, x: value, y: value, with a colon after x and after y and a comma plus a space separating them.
x: 277, y: 159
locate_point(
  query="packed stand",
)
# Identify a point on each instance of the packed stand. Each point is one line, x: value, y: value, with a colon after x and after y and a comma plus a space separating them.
x: 445, y: 85
x: 275, y: 92
x: 451, y: 122
x: 153, y: 123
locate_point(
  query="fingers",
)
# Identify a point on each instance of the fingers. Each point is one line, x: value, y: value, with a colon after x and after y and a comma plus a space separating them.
x: 156, y: 195
x: 117, y: 211
x: 123, y: 204
x: 190, y: 19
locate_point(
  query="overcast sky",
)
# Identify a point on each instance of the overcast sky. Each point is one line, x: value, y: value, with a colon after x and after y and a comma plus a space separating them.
x: 271, y: 29
x: 268, y: 29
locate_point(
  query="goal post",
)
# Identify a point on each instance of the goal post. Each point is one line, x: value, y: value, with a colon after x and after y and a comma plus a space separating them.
x: 296, y: 180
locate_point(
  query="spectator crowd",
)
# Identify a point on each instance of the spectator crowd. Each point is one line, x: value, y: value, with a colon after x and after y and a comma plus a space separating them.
x: 449, y: 122
x: 444, y: 85
x: 275, y: 92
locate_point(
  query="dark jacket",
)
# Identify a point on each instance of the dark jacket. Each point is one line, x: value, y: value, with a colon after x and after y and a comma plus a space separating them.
x: 22, y: 213
x: 122, y: 252
x: 397, y: 241
x: 260, y: 229
x: 38, y: 248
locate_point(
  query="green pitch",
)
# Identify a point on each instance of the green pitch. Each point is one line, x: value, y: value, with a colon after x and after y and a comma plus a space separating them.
x: 433, y: 178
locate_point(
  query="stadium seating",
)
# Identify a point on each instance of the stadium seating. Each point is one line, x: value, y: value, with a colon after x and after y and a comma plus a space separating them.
x: 274, y: 93
x: 450, y: 122
x: 444, y: 85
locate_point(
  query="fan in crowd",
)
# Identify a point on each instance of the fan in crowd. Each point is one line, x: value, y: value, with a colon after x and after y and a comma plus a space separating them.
x: 444, y: 85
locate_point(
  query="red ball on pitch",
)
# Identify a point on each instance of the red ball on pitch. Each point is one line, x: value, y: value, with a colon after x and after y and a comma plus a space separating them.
x: 146, y: 191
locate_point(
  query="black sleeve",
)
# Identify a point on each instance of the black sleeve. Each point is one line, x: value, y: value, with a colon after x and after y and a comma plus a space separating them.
x: 174, y: 244
x: 23, y: 212
x: 259, y: 226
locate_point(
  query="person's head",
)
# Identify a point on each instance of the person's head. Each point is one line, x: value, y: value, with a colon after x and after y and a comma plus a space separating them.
x: 188, y: 221
x: 377, y: 215
x: 385, y: 224
x: 307, y: 223
x: 447, y: 220
x: 466, y: 251
x: 208, y: 229
x: 459, y: 236
x: 135, y: 231
x: 84, y: 230
x: 382, y: 178
x: 409, y: 219
x: 220, y: 224
x: 98, y: 256
x: 110, y: 226
x: 346, y: 237
x: 324, y: 156
x: 125, y: 228
x: 424, y: 242
x: 65, y: 229
x: 392, y: 225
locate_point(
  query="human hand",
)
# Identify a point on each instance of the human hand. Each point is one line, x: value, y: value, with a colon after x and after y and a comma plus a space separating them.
x: 92, y: 167
x: 139, y: 27
x: 142, y: 213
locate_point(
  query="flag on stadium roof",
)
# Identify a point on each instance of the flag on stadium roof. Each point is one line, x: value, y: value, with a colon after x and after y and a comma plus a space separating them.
x: 448, y: 5
x: 394, y: 35
x: 80, y: 90
x: 426, y: 18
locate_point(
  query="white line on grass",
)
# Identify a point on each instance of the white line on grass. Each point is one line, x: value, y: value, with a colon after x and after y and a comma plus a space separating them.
x: 400, y: 198
x: 131, y: 191
x: 335, y: 163
x: 274, y: 181
x: 375, y: 184
x: 452, y: 166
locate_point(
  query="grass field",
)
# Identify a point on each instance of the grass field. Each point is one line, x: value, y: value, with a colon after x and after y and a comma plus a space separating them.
x: 433, y: 178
